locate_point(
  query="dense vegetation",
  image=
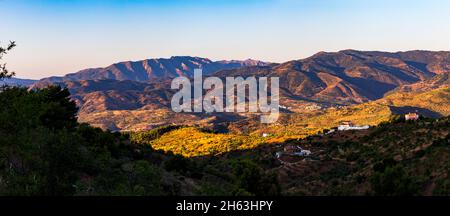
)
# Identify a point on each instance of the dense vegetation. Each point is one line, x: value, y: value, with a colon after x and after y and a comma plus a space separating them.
x: 44, y: 151
x: 394, y: 158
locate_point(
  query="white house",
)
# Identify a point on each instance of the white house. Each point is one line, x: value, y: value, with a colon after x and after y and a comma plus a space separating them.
x: 349, y: 126
x: 411, y: 117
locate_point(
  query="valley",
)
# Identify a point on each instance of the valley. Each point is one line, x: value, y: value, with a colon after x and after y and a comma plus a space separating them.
x: 318, y: 91
x: 131, y: 142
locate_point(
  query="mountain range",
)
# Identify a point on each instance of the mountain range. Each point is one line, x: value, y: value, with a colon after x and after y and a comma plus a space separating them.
x: 351, y: 76
x: 136, y: 95
x: 152, y: 69
x: 17, y: 82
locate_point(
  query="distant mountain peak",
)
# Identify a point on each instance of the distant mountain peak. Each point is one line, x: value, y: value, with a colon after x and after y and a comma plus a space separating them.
x: 246, y: 62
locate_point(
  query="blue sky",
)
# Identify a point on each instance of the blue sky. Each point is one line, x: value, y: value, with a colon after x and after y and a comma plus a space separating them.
x: 56, y: 37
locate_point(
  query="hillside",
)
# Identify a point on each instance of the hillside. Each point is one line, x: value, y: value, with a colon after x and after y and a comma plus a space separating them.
x: 351, y: 76
x: 429, y: 102
x: 45, y: 151
x: 247, y: 133
x: 149, y: 108
x: 394, y: 158
x: 320, y: 90
x: 438, y: 81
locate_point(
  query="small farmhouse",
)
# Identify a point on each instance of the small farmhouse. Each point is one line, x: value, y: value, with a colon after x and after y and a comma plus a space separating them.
x: 411, y: 117
x: 347, y: 125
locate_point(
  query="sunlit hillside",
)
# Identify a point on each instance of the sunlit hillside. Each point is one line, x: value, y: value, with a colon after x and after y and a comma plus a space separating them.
x: 193, y: 142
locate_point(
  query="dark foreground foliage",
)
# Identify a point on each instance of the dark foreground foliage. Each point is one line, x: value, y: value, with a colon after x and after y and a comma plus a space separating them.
x: 44, y: 151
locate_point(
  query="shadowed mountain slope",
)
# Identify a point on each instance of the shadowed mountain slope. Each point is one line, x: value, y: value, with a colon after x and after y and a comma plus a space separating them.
x: 351, y: 76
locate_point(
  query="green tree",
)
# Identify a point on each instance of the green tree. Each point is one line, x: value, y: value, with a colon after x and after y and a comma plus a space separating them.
x: 60, y: 111
x: 393, y: 181
x: 4, y: 73
x: 39, y: 152
x: 252, y: 178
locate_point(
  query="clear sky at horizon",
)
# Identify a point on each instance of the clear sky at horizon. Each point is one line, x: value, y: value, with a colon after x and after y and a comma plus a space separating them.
x: 56, y: 37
